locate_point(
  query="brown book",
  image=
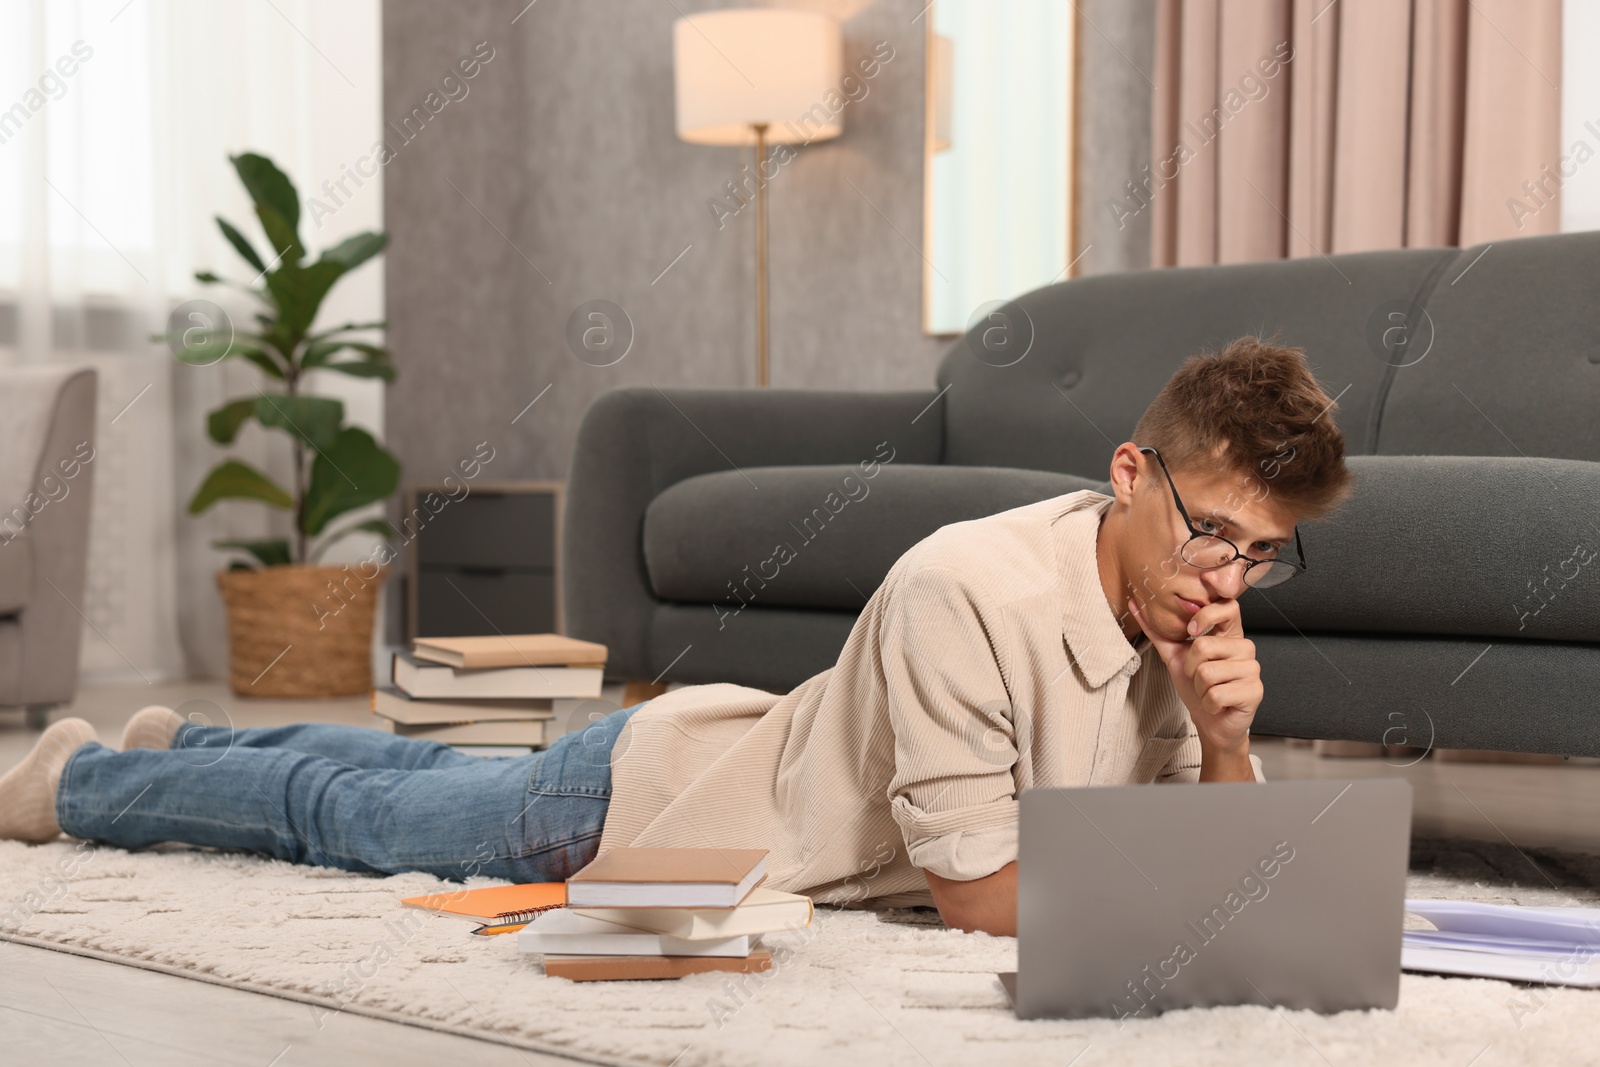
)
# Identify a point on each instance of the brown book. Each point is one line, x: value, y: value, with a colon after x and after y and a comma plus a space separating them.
x: 510, y: 650
x: 623, y: 968
x: 668, y: 878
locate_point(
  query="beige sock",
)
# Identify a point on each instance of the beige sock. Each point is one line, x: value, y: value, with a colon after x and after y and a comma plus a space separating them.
x: 152, y: 727
x: 28, y: 791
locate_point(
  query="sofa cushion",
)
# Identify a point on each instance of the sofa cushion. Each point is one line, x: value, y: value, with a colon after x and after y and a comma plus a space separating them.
x: 1490, y: 547
x: 1481, y: 546
x: 710, y: 536
x: 1103, y: 346
x: 16, y: 572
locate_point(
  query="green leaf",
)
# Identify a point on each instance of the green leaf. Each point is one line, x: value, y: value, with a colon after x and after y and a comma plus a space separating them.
x: 240, y: 244
x: 271, y: 335
x: 273, y: 553
x: 286, y: 246
x: 223, y: 424
x: 347, y: 327
x: 207, y: 277
x: 268, y: 365
x: 356, y: 250
x: 380, y: 527
x: 313, y: 419
x: 267, y: 184
x: 298, y: 293
x: 273, y: 193
x: 364, y: 369
x: 234, y: 480
x: 355, y: 472
x: 317, y: 352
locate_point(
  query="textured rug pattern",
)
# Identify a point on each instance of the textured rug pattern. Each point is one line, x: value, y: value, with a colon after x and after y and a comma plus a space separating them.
x: 856, y: 987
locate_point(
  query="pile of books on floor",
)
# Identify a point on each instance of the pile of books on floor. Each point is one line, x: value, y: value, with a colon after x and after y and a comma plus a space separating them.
x: 664, y: 913
x: 1560, y: 946
x: 489, y: 696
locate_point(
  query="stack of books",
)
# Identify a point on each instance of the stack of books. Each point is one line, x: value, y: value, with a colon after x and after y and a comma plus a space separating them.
x: 663, y: 913
x: 490, y: 696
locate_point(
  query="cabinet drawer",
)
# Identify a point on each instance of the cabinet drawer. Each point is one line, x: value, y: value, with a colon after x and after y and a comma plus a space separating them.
x: 455, y: 602
x: 485, y: 529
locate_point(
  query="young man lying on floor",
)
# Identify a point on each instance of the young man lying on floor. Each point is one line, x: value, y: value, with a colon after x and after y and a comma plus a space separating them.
x: 1082, y: 640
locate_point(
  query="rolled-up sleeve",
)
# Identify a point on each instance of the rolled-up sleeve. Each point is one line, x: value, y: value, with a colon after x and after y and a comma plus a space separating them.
x: 953, y: 793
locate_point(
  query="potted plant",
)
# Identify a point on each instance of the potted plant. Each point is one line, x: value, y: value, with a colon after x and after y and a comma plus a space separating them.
x: 296, y: 628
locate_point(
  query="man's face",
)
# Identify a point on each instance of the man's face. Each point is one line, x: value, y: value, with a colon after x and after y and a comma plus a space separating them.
x: 1220, y: 500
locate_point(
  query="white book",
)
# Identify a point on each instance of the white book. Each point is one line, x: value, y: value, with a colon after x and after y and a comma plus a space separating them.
x: 667, y: 878
x: 429, y: 681
x: 764, y: 911
x: 391, y: 703
x: 561, y: 932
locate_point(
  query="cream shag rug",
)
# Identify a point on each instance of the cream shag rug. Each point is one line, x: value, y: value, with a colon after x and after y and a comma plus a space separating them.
x: 856, y: 987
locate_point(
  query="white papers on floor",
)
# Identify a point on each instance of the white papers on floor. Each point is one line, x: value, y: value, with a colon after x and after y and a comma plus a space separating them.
x: 560, y: 932
x: 1560, y: 946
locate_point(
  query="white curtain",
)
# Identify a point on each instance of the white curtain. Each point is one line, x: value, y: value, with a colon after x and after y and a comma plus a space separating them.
x: 116, y: 121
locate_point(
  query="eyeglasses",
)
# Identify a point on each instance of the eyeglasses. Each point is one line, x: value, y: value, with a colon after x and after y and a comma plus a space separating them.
x: 1208, y: 551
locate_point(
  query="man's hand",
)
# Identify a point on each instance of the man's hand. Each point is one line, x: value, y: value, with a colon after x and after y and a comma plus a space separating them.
x: 1217, y: 677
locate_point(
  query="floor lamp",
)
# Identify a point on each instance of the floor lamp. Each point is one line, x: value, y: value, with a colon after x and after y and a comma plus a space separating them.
x: 757, y: 76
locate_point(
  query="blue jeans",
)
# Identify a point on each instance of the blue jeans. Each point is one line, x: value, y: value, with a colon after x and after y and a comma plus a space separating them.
x: 352, y: 797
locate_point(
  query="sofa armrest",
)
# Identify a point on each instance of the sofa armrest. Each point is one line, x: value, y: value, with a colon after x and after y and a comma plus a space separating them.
x: 51, y: 487
x: 636, y: 441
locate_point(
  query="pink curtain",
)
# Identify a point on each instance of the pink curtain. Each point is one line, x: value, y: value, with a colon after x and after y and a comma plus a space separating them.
x: 1308, y: 127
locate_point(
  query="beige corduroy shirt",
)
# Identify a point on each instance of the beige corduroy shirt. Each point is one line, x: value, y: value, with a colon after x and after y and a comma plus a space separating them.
x: 988, y: 662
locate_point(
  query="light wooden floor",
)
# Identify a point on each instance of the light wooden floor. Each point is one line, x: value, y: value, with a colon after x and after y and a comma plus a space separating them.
x: 62, y: 1009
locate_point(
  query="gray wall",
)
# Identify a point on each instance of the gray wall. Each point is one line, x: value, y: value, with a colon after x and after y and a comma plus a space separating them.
x: 565, y: 143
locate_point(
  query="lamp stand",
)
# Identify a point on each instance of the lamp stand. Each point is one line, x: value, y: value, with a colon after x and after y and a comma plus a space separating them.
x: 761, y: 256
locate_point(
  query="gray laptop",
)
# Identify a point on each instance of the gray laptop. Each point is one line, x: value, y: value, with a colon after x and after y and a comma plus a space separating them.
x: 1132, y: 900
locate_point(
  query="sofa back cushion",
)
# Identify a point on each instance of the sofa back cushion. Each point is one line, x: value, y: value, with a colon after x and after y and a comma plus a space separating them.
x: 1098, y: 349
x: 1449, y: 545
x: 1513, y: 363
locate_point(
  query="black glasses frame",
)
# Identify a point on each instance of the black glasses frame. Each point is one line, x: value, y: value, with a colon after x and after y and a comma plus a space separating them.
x: 1249, y: 562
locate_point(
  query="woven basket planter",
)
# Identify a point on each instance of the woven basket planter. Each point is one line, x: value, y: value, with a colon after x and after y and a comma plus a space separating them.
x: 300, y: 631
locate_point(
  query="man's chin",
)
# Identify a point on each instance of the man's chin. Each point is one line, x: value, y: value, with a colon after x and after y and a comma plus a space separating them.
x: 1171, y: 623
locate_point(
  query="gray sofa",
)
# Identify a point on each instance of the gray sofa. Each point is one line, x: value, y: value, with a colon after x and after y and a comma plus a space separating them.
x: 46, y: 480
x: 1454, y: 602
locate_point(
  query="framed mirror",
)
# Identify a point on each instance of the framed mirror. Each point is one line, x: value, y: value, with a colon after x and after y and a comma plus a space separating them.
x: 999, y: 154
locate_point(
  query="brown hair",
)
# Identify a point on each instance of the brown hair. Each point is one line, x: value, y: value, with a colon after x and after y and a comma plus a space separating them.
x: 1261, y: 402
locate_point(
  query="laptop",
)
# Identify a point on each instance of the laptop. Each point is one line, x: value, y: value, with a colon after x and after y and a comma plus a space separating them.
x: 1133, y: 900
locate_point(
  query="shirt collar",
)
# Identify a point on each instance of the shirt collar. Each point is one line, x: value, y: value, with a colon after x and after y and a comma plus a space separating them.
x: 1092, y: 632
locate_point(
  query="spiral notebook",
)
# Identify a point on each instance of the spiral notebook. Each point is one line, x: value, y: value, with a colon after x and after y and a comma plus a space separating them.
x: 502, y: 909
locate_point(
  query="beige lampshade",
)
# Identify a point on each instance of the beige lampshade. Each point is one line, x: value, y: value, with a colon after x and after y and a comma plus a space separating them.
x: 742, y: 66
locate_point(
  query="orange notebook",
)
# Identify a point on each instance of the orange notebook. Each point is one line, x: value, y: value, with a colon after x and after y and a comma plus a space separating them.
x: 503, y: 908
